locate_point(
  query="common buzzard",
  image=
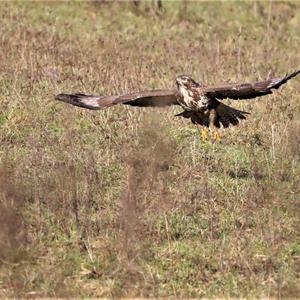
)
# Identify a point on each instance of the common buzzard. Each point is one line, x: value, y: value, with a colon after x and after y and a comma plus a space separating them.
x: 200, y: 102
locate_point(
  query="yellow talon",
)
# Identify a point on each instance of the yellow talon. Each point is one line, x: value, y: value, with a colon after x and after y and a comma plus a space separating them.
x: 217, y: 135
x: 204, y: 134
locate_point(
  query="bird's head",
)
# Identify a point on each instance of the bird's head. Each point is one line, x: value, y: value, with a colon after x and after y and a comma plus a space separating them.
x: 184, y: 81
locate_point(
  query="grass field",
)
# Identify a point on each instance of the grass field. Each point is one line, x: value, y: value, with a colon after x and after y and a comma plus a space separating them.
x: 129, y: 201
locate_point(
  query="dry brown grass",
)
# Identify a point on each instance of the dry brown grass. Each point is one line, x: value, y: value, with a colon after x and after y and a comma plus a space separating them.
x: 128, y: 201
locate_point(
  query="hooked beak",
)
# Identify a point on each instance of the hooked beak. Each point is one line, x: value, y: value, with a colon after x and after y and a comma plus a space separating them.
x: 178, y: 82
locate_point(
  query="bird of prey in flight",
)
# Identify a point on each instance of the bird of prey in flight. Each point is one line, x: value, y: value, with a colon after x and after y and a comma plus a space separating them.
x: 200, y: 102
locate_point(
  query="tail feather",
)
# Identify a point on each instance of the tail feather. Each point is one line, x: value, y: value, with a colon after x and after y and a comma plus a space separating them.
x: 196, y: 117
x: 227, y: 115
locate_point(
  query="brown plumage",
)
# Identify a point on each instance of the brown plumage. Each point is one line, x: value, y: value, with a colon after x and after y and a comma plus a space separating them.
x: 200, y: 102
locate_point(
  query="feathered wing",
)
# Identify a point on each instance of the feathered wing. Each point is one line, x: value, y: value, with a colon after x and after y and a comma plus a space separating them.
x: 156, y: 98
x: 247, y: 90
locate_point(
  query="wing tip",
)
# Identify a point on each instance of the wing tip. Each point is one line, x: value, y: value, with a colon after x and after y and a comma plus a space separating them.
x: 68, y: 98
x: 85, y: 101
x: 291, y: 75
x: 280, y: 81
x: 60, y: 97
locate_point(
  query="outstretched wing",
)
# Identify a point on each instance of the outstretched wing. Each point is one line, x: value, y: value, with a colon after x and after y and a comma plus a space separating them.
x: 158, y: 98
x: 247, y: 90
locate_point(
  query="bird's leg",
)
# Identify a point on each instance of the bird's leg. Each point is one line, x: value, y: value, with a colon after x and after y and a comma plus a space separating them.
x: 216, y: 135
x: 204, y: 134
